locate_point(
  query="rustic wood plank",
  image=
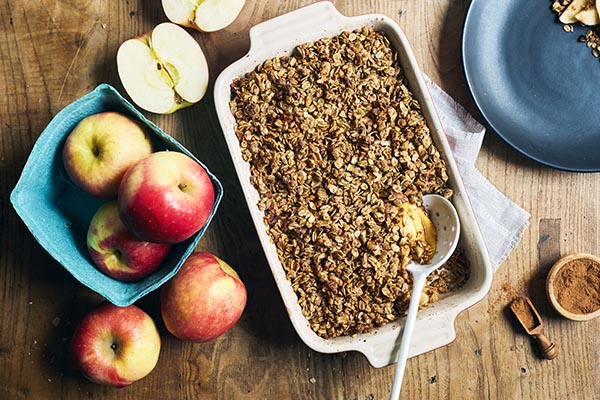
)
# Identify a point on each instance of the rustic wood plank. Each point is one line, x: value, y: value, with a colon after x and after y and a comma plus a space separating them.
x: 55, y: 51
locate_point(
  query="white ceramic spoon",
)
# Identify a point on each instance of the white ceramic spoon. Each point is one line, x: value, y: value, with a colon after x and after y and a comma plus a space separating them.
x: 445, y: 219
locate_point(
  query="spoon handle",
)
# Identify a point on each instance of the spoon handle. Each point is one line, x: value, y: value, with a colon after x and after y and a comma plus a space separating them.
x: 547, y: 348
x: 409, y: 326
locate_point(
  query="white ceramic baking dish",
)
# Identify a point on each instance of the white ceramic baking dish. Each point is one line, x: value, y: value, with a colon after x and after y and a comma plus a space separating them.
x: 435, y: 323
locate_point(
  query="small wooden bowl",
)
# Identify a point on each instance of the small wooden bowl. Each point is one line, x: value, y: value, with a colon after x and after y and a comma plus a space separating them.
x: 551, y: 292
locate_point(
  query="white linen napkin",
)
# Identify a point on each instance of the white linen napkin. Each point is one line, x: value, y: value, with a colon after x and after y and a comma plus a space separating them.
x: 502, y: 222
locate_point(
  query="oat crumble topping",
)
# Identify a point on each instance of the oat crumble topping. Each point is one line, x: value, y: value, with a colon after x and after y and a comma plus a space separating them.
x: 337, y: 144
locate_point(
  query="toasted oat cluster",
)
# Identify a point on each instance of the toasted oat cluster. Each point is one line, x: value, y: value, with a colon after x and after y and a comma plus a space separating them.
x: 336, y: 145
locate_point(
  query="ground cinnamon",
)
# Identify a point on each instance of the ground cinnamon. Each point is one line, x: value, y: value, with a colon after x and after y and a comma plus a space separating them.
x: 577, y: 286
x: 521, y: 308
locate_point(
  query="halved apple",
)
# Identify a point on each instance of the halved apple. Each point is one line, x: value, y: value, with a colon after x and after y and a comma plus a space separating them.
x: 203, y: 15
x: 163, y: 70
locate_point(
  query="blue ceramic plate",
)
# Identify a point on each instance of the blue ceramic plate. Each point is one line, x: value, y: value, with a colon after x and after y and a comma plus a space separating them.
x: 58, y: 213
x: 535, y: 84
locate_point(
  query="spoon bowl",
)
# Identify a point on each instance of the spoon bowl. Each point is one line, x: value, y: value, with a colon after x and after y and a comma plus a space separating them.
x: 445, y: 219
x: 447, y: 225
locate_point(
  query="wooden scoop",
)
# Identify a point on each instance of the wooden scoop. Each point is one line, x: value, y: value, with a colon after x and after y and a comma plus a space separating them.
x: 531, y: 321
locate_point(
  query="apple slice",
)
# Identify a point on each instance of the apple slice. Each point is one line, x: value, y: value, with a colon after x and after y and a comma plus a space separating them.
x: 416, y: 227
x: 576, y: 6
x: 588, y: 16
x: 203, y: 15
x: 164, y: 70
x: 429, y: 231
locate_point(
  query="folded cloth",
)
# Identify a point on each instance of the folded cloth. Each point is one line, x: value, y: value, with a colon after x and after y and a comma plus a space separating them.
x: 502, y: 222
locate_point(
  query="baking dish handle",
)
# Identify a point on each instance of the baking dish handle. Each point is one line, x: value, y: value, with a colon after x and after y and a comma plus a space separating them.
x: 439, y: 332
x: 293, y: 24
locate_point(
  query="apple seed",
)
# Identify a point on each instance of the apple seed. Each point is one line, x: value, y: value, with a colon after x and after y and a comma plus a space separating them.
x: 178, y: 98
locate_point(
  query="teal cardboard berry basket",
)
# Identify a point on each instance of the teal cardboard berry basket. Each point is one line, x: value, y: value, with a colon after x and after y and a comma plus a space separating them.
x: 58, y: 213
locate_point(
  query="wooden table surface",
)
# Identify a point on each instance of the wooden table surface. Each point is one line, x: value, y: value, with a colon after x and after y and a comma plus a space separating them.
x: 56, y: 51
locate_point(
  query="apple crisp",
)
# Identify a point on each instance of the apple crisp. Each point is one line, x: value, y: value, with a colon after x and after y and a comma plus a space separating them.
x: 337, y: 144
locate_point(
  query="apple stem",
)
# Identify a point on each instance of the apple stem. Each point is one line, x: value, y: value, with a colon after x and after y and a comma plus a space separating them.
x: 114, y: 346
x: 182, y: 186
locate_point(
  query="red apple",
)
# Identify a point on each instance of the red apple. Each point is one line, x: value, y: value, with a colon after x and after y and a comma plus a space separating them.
x: 115, y: 345
x: 101, y: 148
x: 166, y: 197
x: 203, y: 300
x: 119, y: 253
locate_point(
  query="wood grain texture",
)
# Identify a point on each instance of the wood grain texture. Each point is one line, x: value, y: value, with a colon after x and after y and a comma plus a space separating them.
x: 56, y: 51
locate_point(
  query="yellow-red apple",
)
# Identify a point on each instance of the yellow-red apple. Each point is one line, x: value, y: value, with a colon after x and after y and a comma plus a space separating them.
x: 203, y: 300
x: 115, y: 346
x: 101, y: 148
x: 119, y: 253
